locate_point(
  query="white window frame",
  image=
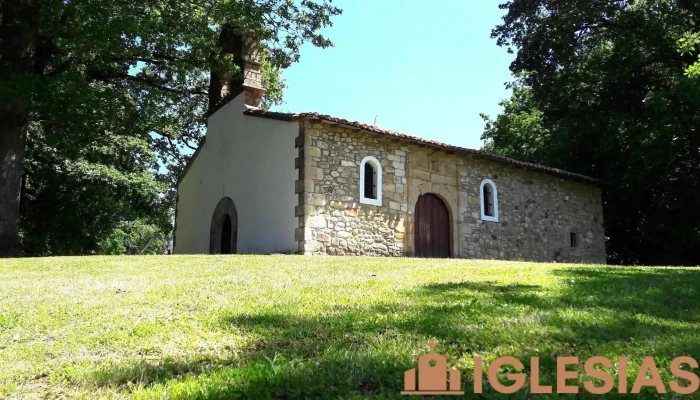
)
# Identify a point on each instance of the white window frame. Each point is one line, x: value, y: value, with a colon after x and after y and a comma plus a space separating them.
x: 485, y: 217
x: 378, y: 170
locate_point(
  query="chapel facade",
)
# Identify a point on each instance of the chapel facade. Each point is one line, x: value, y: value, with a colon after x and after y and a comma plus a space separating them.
x: 269, y: 182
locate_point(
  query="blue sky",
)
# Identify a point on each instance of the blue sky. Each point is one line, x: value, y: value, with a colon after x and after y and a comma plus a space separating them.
x: 423, y: 68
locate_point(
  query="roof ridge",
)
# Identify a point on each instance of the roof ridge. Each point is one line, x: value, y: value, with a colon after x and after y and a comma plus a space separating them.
x: 287, y: 116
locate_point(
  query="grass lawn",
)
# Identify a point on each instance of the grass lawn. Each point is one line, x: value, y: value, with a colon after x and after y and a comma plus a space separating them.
x: 210, y: 327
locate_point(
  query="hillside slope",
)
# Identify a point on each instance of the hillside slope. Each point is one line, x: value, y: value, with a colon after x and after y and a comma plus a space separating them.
x: 209, y: 327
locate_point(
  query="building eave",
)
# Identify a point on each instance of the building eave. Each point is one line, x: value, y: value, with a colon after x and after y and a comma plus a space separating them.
x: 424, y: 142
x: 191, y: 160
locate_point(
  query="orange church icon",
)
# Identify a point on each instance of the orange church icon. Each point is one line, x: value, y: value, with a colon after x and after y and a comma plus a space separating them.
x: 432, y: 376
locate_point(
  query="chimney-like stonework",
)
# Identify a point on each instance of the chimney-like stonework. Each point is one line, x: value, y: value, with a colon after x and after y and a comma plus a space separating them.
x: 252, y: 74
x: 246, y: 55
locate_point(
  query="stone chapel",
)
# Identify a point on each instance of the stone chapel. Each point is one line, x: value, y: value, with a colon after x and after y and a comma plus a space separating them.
x: 268, y: 182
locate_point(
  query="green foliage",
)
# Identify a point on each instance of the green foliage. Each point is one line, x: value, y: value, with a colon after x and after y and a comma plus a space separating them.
x: 687, y: 45
x: 113, y: 244
x: 118, y: 90
x: 79, y: 187
x: 522, y: 127
x: 258, y: 327
x: 273, y: 82
x: 133, y: 238
x: 602, y: 90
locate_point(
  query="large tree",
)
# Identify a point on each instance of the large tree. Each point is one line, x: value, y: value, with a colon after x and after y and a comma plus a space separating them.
x: 602, y: 89
x: 102, y: 85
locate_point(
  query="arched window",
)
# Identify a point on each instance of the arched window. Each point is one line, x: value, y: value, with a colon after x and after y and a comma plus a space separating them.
x: 370, y: 181
x: 489, y: 200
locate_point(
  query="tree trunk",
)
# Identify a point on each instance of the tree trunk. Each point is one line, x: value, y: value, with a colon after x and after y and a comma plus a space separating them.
x: 18, y: 32
x: 13, y: 138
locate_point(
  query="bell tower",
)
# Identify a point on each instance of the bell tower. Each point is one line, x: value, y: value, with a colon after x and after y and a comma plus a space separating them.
x: 225, y: 85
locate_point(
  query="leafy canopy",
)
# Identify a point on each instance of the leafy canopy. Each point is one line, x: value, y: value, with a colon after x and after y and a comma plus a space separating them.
x: 117, y: 94
x: 611, y: 89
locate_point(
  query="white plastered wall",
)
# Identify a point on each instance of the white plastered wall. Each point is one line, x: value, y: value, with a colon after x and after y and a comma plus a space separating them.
x: 251, y: 160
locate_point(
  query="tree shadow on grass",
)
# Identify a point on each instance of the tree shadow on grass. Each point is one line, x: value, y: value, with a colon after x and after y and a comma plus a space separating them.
x: 363, y: 351
x: 328, y: 374
x: 593, y: 309
x: 664, y: 293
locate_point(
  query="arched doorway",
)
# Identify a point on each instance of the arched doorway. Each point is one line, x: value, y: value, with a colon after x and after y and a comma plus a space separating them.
x: 223, y: 234
x: 432, y: 227
x: 226, y: 235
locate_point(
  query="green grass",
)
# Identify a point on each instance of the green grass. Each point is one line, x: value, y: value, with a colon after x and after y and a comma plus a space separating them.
x: 209, y: 327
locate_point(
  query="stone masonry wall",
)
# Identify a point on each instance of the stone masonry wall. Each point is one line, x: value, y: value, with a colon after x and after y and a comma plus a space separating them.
x: 332, y: 220
x: 537, y: 211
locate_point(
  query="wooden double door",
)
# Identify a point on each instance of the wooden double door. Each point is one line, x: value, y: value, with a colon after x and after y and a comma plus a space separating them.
x: 432, y: 227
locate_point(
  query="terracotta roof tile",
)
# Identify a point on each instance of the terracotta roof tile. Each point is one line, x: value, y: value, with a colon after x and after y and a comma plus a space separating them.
x: 418, y: 140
